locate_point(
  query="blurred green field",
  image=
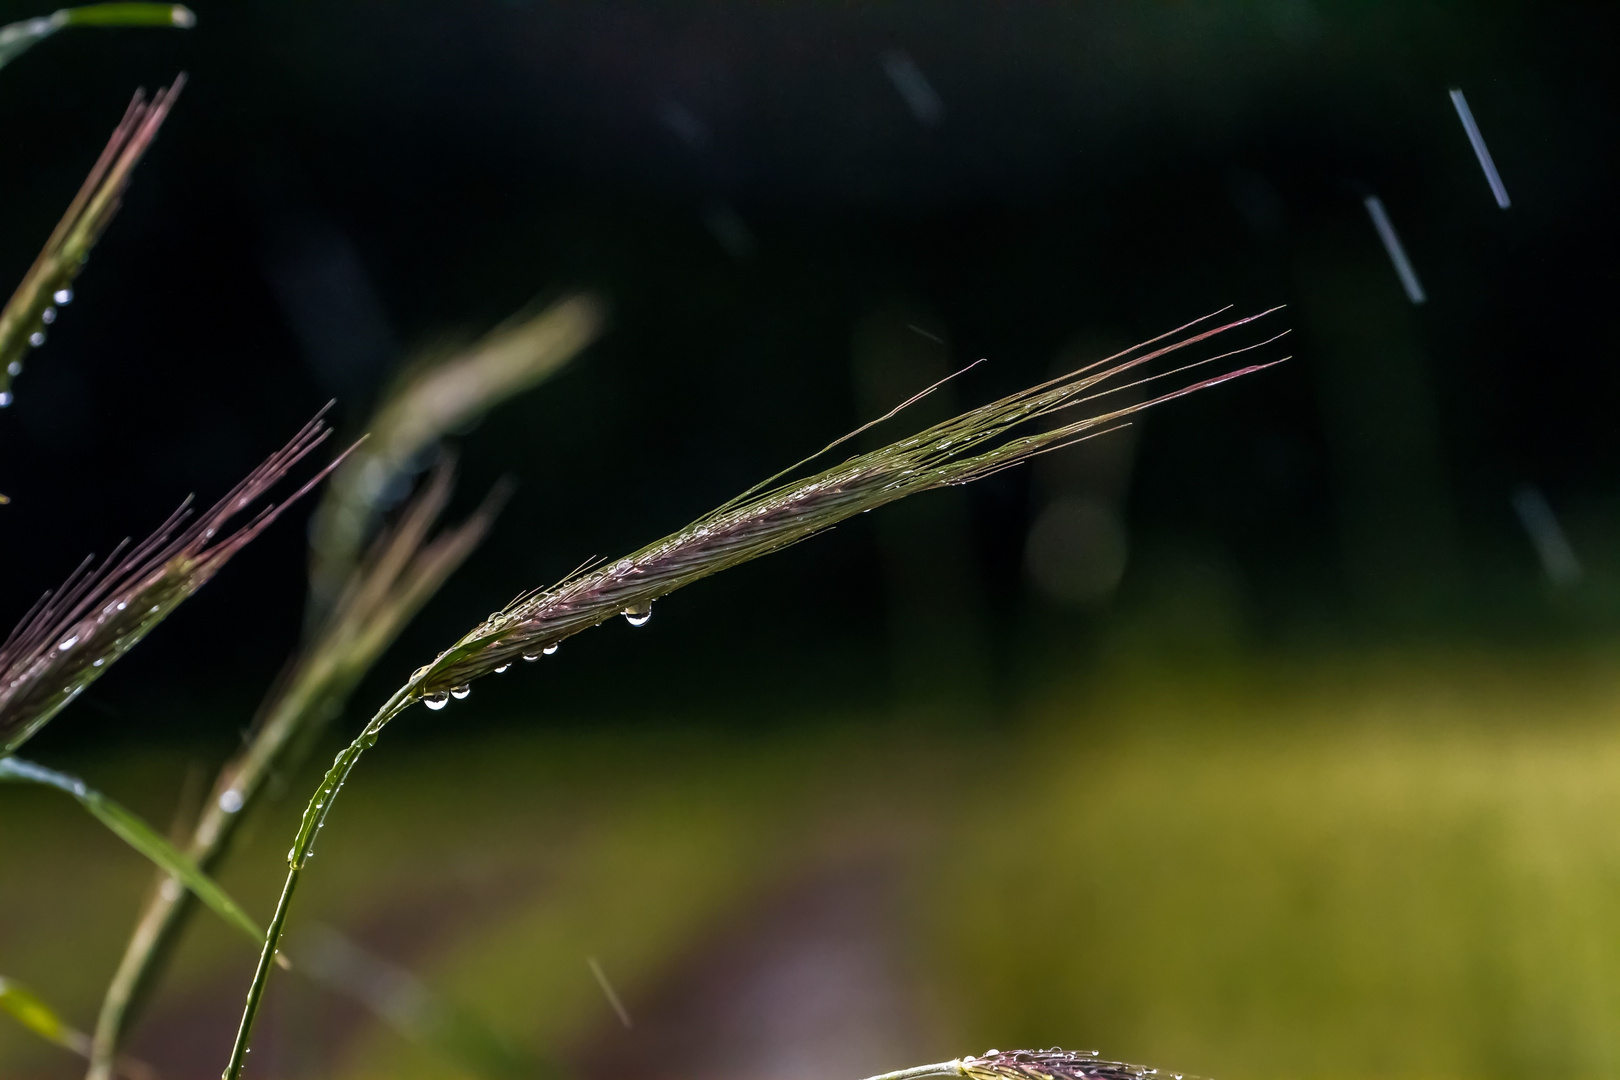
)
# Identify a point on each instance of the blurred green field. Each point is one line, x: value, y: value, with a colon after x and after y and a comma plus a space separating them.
x: 1405, y: 864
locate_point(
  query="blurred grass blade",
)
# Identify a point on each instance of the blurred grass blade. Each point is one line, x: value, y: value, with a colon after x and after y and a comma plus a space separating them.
x: 48, y: 284
x: 427, y: 402
x: 399, y: 999
x: 403, y: 569
x: 32, y: 1013
x: 19, y: 37
x: 129, y: 827
x: 173, y: 15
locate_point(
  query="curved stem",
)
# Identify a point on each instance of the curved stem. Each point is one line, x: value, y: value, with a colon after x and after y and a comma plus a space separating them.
x: 313, y: 821
x: 942, y: 1068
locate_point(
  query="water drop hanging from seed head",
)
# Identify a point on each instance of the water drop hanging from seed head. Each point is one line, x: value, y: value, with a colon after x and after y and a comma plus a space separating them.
x: 549, y: 649
x: 436, y: 700
x: 503, y: 667
x: 37, y: 338
x: 63, y: 296
x: 48, y: 316
x: 460, y: 692
x: 638, y: 614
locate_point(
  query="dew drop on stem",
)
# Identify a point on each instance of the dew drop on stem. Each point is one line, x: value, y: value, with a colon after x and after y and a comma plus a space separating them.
x: 5, y: 398
x: 460, y: 692
x: 37, y: 338
x: 436, y: 700
x: 550, y: 649
x: 638, y: 614
x: 48, y: 316
x: 14, y: 368
x: 503, y: 667
x: 63, y: 296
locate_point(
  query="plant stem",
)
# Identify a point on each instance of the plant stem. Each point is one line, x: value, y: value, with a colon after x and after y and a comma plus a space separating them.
x: 942, y: 1068
x: 313, y: 820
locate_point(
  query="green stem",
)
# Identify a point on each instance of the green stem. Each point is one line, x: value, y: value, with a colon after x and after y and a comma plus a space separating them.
x: 313, y: 820
x: 128, y: 15
x: 942, y: 1068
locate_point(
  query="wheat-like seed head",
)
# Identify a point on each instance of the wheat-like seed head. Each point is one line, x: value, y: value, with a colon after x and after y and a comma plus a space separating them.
x: 72, y: 635
x: 48, y: 283
x: 1053, y: 1064
x: 766, y: 519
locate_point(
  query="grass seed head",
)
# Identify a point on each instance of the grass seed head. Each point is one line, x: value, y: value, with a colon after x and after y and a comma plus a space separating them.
x: 777, y: 514
x: 72, y: 635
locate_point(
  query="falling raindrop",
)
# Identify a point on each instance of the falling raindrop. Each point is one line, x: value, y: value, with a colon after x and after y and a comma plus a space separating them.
x: 503, y: 667
x: 37, y: 338
x: 68, y: 642
x: 63, y: 296
x: 48, y: 316
x: 549, y: 649
x: 436, y: 700
x: 460, y: 692
x: 638, y: 614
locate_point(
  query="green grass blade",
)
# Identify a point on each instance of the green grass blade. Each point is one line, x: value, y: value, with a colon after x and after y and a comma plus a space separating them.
x: 128, y: 827
x: 18, y: 37
x: 177, y: 15
x: 32, y: 1013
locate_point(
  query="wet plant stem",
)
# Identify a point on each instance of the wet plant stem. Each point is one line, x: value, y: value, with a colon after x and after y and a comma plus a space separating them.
x: 942, y: 1068
x: 303, y: 845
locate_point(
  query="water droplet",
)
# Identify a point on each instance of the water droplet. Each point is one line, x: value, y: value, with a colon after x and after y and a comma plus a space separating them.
x: 68, y: 642
x: 37, y: 338
x: 531, y: 657
x: 503, y: 667
x: 14, y: 368
x: 638, y: 614
x: 436, y: 700
x: 5, y: 398
x: 460, y: 692
x: 549, y: 649
x: 48, y: 316
x: 63, y: 296
x: 154, y: 609
x: 230, y: 800
x: 122, y: 605
x: 624, y: 566
x: 97, y: 662
x: 170, y: 890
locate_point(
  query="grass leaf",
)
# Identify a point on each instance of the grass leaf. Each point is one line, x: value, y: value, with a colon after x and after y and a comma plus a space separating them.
x: 128, y: 827
x: 18, y: 37
x: 32, y: 1013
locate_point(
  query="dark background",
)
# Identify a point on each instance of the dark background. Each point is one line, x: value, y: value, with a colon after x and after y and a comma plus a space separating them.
x: 344, y: 185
